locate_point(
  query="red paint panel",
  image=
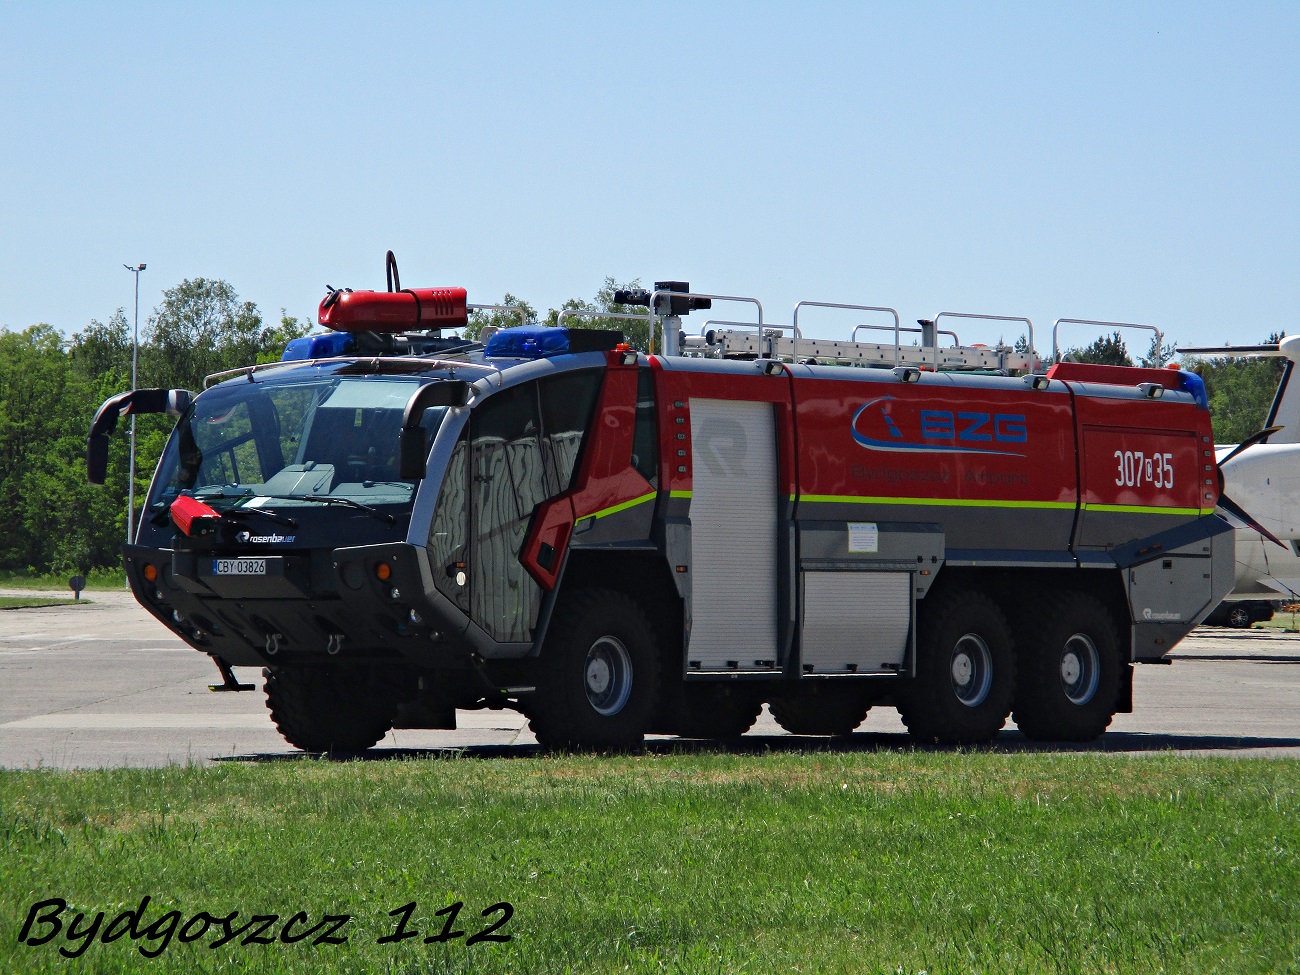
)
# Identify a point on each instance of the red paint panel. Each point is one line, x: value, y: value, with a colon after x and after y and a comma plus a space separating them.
x: 605, y: 475
x: 1178, y: 434
x: 869, y: 439
x: 673, y: 387
x: 1149, y: 468
x: 1088, y: 372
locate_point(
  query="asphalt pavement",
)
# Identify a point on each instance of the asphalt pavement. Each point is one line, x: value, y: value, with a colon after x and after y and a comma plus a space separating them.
x: 103, y: 684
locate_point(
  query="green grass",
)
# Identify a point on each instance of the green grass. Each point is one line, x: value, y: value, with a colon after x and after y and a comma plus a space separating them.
x: 95, y: 579
x: 1281, y: 621
x: 695, y: 863
x: 35, y: 602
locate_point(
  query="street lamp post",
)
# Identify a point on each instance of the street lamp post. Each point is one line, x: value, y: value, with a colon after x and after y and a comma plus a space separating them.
x: 135, y: 355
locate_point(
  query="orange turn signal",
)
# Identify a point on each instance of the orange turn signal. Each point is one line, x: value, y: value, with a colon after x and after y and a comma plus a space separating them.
x: 150, y: 572
x: 383, y: 571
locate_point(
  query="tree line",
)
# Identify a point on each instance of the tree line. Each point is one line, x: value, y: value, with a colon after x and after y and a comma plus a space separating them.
x: 52, y: 520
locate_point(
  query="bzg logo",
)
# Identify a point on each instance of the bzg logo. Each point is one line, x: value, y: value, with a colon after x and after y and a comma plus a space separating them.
x: 880, y: 425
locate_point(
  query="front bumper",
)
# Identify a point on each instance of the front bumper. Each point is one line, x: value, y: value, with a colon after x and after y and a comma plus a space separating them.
x: 308, y: 606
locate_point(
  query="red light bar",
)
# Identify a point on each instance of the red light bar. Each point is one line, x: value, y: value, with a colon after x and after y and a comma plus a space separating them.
x: 394, y: 311
x: 192, y: 516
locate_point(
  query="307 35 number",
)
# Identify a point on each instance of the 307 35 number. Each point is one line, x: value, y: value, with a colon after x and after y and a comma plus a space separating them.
x: 1136, y: 468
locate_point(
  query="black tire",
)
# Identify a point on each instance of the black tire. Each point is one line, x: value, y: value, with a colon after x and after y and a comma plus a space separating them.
x: 965, y: 671
x: 715, y: 711
x: 1239, y: 618
x: 1069, y: 670
x: 598, y: 678
x: 820, y: 708
x: 329, y: 709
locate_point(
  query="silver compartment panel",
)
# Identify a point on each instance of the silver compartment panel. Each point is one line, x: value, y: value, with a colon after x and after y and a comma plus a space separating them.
x: 733, y: 536
x: 855, y: 622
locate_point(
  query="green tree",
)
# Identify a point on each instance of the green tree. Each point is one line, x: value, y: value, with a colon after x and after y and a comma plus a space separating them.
x: 103, y: 348
x: 478, y: 320
x: 1241, y: 391
x: 1159, y: 352
x: 273, y: 340
x: 50, y: 518
x: 1109, y: 350
x: 637, y: 332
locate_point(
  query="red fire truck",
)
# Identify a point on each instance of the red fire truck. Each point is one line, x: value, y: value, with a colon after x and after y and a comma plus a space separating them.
x: 395, y: 525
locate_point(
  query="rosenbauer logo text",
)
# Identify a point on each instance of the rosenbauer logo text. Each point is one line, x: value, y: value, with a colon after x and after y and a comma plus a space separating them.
x: 880, y: 424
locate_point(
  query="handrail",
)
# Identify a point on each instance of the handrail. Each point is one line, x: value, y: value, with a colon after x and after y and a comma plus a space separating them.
x: 297, y: 363
x: 515, y: 309
x: 853, y: 337
x: 1033, y: 353
x: 1160, y: 336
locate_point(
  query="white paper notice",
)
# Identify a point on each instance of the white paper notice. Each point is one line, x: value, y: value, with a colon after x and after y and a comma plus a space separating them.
x: 863, y: 536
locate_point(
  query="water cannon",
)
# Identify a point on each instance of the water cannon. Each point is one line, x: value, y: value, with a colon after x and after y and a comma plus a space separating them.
x: 396, y: 310
x: 667, y: 304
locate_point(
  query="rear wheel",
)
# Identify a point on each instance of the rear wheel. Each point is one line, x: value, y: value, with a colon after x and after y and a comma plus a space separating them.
x: 965, y: 671
x: 1239, y: 618
x: 821, y: 708
x: 1069, y: 670
x: 599, y: 674
x: 329, y: 709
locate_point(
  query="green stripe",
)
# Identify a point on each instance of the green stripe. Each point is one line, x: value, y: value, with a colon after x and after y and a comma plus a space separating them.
x: 622, y: 506
x: 679, y: 494
x: 937, y: 502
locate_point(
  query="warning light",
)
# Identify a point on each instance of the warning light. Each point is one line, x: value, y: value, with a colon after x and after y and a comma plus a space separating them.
x: 383, y: 571
x: 150, y: 572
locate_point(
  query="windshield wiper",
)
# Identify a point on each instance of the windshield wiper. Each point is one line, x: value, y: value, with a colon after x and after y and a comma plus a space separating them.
x: 331, y: 499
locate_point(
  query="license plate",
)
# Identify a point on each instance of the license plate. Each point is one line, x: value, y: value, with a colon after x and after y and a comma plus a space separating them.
x: 239, y: 567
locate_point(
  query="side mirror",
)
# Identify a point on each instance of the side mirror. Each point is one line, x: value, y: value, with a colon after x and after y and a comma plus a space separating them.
x: 171, y: 401
x: 414, y: 442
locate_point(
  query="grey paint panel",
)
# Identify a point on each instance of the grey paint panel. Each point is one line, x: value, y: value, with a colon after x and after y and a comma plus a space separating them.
x: 733, y: 536
x: 964, y: 527
x: 855, y: 622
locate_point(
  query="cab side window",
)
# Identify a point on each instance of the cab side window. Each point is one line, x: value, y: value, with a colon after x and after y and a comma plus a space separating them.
x: 645, y: 446
x: 507, y: 480
x: 567, y: 404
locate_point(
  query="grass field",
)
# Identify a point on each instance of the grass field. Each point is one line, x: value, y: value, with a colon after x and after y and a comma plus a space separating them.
x: 95, y: 579
x: 693, y: 863
x: 34, y: 602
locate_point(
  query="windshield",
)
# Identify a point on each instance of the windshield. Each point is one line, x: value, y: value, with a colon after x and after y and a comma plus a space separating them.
x: 322, y: 437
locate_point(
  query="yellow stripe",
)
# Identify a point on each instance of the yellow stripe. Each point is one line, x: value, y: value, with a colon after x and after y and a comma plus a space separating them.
x: 679, y: 494
x: 937, y: 502
x: 1138, y: 509
x: 983, y: 503
x: 622, y: 506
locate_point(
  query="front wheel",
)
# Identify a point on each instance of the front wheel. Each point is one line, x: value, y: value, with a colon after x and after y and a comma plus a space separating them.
x: 965, y: 671
x: 1239, y: 618
x: 599, y: 674
x: 329, y: 709
x: 1069, y: 671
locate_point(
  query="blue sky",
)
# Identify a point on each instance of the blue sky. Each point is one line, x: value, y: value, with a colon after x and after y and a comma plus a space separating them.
x: 1135, y: 162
